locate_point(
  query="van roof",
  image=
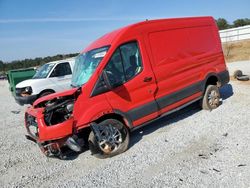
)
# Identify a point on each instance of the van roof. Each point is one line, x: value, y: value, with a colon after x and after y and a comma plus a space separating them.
x: 108, y: 38
x: 63, y: 60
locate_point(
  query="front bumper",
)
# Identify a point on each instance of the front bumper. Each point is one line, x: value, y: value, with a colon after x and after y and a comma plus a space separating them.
x: 26, y: 99
x: 35, y: 117
x: 49, y: 138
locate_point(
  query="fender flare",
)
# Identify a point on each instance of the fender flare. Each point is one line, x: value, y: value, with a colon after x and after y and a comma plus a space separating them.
x: 206, y: 79
x: 126, y: 118
x: 123, y: 115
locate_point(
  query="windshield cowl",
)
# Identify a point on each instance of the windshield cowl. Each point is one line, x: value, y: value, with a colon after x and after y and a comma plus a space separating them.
x: 74, y: 86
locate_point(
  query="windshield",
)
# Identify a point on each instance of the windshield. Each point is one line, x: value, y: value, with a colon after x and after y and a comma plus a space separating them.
x: 44, y: 70
x: 86, y: 64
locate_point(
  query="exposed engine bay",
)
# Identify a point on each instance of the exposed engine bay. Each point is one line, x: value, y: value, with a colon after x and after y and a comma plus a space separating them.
x: 58, y: 110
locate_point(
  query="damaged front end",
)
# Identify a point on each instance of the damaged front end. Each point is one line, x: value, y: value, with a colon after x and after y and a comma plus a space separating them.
x: 50, y: 123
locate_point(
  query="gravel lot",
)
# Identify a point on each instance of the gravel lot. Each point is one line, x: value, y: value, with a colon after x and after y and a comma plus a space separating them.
x: 240, y: 65
x: 190, y: 148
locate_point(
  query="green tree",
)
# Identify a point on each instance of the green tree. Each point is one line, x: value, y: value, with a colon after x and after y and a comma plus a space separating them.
x: 18, y: 64
x: 1, y: 66
x: 241, y: 22
x: 222, y: 23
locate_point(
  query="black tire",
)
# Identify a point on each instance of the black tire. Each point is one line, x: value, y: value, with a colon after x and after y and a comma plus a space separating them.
x: 211, y: 98
x: 45, y: 93
x: 98, y: 151
x: 243, y: 78
x: 237, y: 73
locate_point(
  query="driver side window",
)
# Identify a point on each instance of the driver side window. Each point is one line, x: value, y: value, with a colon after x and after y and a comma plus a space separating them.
x: 114, y: 69
x: 124, y: 64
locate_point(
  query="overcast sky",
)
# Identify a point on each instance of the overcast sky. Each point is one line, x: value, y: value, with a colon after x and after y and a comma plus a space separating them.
x: 38, y: 28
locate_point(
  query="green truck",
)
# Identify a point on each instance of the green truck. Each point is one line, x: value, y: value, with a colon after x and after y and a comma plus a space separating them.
x: 18, y: 75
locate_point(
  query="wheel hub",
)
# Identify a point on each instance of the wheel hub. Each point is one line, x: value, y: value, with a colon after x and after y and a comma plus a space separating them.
x: 213, y: 98
x: 110, y: 138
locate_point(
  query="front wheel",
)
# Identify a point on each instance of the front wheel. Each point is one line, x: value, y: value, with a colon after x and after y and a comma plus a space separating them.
x: 108, y: 138
x: 211, y: 98
x: 45, y: 93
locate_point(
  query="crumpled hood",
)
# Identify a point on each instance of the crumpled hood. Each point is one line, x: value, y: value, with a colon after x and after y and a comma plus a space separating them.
x: 54, y: 95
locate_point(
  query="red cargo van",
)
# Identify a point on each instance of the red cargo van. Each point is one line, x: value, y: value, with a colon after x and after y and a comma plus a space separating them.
x: 128, y: 78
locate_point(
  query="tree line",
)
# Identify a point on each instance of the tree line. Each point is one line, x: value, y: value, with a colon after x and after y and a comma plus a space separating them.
x: 222, y: 23
x: 26, y: 63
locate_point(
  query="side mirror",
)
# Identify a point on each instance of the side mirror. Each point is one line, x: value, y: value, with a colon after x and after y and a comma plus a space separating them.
x: 106, y: 80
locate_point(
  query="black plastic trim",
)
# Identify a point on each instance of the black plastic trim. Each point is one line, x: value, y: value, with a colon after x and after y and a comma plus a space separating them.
x: 165, y: 114
x: 125, y: 116
x: 204, y: 82
x: 100, y: 87
x: 179, y: 95
x: 143, y: 110
x: 26, y: 99
x: 224, y: 77
x: 164, y: 101
x: 31, y: 138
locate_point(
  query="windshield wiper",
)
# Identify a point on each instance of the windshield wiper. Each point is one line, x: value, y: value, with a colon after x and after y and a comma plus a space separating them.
x: 74, y: 86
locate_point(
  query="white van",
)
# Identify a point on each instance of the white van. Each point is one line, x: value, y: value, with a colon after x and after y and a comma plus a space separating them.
x: 50, y: 78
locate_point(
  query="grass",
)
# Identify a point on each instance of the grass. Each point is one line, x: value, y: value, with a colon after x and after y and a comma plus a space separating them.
x: 236, y: 51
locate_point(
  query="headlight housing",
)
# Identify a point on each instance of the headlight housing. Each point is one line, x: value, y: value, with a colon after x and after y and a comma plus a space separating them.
x: 26, y: 91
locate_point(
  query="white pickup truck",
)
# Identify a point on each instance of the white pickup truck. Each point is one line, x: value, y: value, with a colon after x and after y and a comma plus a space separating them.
x: 50, y: 78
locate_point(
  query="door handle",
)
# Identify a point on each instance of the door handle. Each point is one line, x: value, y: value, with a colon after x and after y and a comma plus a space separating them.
x: 147, y: 79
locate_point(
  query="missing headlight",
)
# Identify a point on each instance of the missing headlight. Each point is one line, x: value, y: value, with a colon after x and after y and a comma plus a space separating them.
x: 25, y: 91
x: 70, y: 107
x: 59, y: 112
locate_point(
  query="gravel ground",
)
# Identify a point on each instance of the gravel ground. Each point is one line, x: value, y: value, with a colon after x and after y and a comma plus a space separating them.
x: 244, y: 66
x: 190, y: 148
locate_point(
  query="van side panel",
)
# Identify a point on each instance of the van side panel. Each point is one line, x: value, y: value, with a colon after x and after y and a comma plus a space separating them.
x: 182, y: 57
x: 173, y: 64
x: 205, y: 47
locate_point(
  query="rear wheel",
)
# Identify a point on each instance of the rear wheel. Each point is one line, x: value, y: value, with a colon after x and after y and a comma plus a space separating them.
x: 108, y: 139
x: 211, y: 98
